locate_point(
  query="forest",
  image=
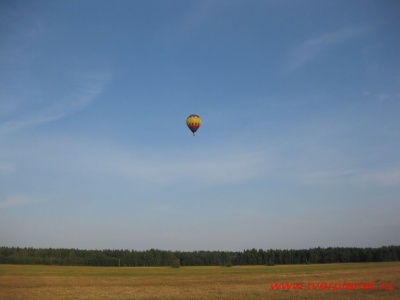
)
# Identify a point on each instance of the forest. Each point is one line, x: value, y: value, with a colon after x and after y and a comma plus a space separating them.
x: 155, y: 257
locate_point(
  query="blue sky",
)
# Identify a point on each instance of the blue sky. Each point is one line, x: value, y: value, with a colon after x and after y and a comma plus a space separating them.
x: 300, y: 142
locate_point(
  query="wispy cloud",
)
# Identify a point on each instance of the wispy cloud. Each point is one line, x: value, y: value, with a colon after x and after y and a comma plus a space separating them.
x: 18, y: 200
x: 340, y: 176
x: 28, y: 95
x: 213, y: 169
x: 88, y: 87
x: 381, y: 178
x: 383, y: 97
x: 313, y: 48
x: 89, y: 159
x: 221, y: 169
x: 6, y: 168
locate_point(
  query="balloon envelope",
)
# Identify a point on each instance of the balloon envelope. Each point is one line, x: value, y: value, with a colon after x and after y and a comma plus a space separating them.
x: 193, y: 122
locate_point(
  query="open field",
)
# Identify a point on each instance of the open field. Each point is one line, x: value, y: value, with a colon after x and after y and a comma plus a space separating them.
x: 244, y: 282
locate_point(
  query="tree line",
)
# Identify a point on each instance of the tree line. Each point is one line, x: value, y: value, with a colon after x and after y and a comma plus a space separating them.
x: 155, y: 257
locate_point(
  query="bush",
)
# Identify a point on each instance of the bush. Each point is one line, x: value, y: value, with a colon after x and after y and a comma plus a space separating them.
x: 176, y: 264
x: 229, y: 264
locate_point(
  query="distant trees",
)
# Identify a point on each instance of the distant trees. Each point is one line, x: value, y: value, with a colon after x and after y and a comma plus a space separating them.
x: 155, y: 257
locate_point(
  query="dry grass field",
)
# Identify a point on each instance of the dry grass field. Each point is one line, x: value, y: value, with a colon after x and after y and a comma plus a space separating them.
x: 244, y: 282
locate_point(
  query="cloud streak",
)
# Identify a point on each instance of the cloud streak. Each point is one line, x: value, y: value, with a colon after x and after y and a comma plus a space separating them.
x: 382, y: 178
x: 379, y: 178
x: 17, y: 201
x: 211, y: 169
x: 222, y: 169
x: 89, y: 86
x: 313, y: 48
x: 6, y: 168
x: 77, y: 157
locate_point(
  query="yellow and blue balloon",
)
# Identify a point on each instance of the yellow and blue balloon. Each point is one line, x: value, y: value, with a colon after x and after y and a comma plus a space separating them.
x: 193, y: 122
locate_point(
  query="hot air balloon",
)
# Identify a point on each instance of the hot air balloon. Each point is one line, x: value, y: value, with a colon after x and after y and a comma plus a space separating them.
x: 193, y: 122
